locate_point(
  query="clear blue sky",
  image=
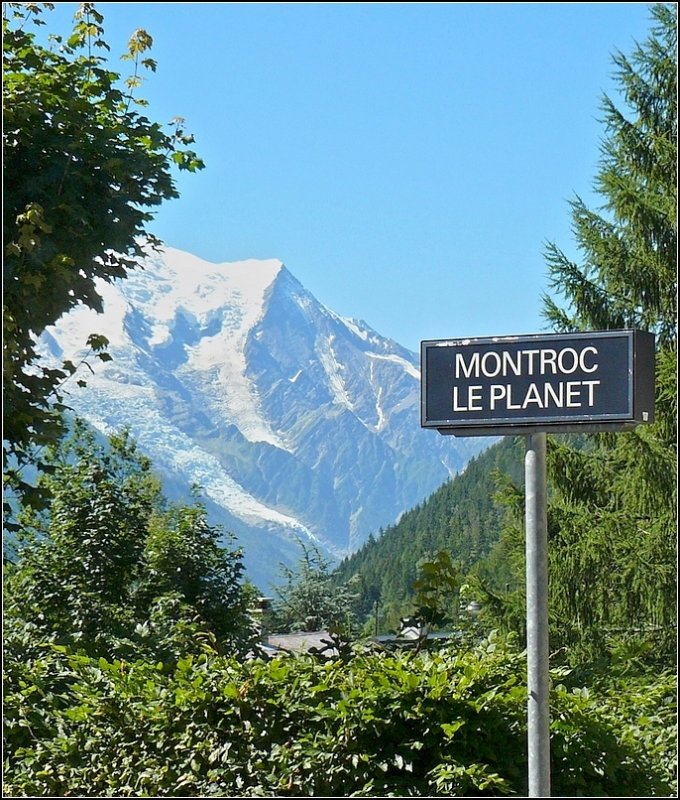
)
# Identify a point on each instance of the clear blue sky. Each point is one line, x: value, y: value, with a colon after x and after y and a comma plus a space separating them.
x: 407, y: 162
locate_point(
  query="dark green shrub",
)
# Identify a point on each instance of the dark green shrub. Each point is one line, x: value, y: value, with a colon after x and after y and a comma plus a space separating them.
x: 405, y: 724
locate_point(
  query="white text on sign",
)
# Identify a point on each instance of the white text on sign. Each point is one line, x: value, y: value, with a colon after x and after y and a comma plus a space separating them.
x: 535, y: 362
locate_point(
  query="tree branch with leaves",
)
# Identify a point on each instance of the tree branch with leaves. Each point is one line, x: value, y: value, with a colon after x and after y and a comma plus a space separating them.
x: 83, y: 169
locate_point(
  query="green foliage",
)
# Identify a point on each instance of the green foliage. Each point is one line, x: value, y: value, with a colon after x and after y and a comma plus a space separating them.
x: 77, y: 564
x: 115, y: 684
x: 310, y: 600
x: 628, y: 277
x: 183, y: 556
x: 110, y: 570
x: 82, y: 167
x: 430, y: 724
x: 437, y: 591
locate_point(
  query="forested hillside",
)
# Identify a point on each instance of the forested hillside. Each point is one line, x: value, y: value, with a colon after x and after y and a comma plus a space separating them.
x: 463, y: 517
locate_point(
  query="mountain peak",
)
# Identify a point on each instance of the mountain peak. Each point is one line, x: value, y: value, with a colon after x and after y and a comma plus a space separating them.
x: 295, y: 421
x: 174, y: 279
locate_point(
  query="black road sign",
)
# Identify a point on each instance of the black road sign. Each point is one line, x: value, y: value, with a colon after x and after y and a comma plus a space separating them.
x: 520, y: 384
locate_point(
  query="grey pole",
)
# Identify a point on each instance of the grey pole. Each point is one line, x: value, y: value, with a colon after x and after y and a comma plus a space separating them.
x: 538, y: 712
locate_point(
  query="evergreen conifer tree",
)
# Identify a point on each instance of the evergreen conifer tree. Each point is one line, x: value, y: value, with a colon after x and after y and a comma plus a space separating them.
x: 612, y: 519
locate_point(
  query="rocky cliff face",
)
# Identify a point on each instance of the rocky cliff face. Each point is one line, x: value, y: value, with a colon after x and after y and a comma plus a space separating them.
x: 297, y: 423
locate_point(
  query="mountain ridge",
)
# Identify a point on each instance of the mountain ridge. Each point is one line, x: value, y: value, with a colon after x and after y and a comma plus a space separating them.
x: 296, y: 422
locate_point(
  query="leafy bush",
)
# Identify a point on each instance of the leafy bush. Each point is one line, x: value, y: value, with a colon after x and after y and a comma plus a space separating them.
x: 428, y: 724
x: 110, y: 570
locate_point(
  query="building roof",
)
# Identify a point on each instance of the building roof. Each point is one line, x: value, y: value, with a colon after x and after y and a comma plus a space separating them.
x: 302, y: 642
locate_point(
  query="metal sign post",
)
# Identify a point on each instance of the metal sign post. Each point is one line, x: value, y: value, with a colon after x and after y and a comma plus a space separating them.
x: 538, y: 670
x: 527, y: 385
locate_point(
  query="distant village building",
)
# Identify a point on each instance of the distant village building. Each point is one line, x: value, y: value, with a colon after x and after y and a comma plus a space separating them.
x: 317, y: 642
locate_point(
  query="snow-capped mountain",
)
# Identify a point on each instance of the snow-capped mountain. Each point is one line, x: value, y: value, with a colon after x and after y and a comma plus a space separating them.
x: 297, y: 423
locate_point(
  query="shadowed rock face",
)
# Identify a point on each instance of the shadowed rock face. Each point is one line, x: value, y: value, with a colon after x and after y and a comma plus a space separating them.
x: 297, y: 423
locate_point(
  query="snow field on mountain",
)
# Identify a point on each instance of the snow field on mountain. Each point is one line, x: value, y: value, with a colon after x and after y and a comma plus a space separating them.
x: 294, y: 420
